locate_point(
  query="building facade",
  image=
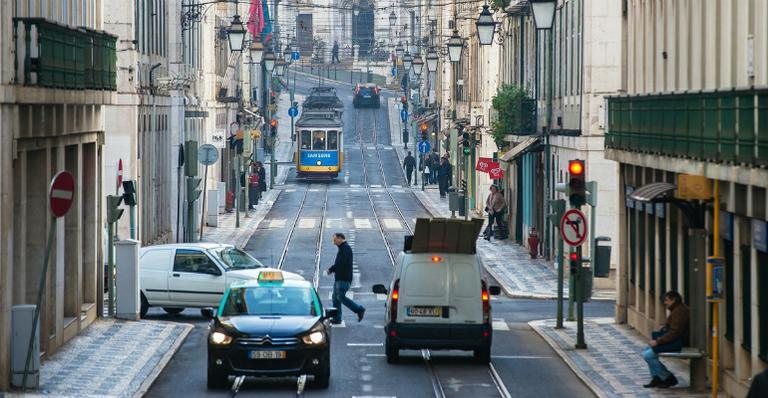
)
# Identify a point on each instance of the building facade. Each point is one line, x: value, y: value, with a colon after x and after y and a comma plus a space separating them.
x: 694, y: 106
x: 52, y: 110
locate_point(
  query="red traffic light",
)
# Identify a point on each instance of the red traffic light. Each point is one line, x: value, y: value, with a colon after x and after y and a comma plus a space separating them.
x: 574, y: 256
x: 576, y: 167
x: 423, y: 127
x: 273, y: 123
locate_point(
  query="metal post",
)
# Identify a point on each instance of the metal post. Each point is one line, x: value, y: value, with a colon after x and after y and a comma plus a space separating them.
x: 236, y: 167
x: 203, y: 212
x: 580, y: 344
x: 190, y: 216
x: 560, y: 283
x: 41, y: 288
x: 132, y: 213
x: 111, y: 268
x: 548, y: 153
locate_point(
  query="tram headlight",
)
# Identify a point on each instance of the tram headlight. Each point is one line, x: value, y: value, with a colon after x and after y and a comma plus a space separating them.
x: 319, y: 163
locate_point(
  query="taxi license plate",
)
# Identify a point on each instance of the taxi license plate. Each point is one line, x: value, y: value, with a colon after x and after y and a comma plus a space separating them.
x: 425, y: 311
x: 267, y: 355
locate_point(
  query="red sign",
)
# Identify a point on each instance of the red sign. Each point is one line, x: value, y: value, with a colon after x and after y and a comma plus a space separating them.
x: 62, y: 193
x: 486, y: 164
x: 573, y: 227
x: 496, y: 173
x: 119, y: 173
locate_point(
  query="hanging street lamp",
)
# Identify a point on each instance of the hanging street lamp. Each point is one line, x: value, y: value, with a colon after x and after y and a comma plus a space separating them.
x: 486, y: 27
x: 432, y: 60
x: 236, y: 34
x: 257, y: 51
x: 269, y: 61
x: 407, y: 61
x: 455, y: 46
x: 418, y: 64
x: 543, y: 13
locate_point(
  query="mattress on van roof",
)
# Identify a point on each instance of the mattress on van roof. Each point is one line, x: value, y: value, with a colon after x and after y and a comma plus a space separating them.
x: 445, y: 235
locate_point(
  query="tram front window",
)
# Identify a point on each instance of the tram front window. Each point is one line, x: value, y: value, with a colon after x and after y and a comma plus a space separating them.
x: 306, y: 138
x: 318, y: 140
x: 333, y: 140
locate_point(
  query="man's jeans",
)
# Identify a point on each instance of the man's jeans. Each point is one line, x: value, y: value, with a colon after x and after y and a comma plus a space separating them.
x: 340, y: 297
x: 654, y: 365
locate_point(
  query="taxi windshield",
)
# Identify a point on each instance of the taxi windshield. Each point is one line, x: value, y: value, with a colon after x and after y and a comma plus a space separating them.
x: 237, y: 259
x: 271, y: 300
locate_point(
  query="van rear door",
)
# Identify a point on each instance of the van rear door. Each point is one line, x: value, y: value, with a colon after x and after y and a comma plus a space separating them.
x: 424, y: 295
x: 466, y: 301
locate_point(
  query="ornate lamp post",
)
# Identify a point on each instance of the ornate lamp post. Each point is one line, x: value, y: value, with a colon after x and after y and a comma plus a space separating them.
x: 486, y: 27
x: 236, y: 34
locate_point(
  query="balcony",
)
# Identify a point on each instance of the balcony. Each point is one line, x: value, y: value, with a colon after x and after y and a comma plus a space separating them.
x: 52, y: 55
x: 717, y: 126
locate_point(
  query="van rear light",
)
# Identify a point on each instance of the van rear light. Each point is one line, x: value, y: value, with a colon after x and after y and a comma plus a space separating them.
x: 436, y: 259
x: 486, y: 303
x: 395, y: 296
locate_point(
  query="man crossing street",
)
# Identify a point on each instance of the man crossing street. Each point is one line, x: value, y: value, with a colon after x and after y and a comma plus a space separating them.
x: 409, y: 164
x: 342, y: 267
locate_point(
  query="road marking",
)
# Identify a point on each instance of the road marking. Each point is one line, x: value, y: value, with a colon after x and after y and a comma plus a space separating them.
x: 381, y: 297
x: 375, y: 186
x: 290, y: 190
x: 363, y: 223
x: 279, y: 223
x: 333, y: 223
x: 307, y: 223
x: 392, y: 223
x: 519, y: 357
x: 349, y: 214
x: 499, y: 324
x: 374, y: 355
x: 340, y: 325
x: 395, y: 186
x: 350, y: 295
x: 365, y: 344
x: 355, y: 185
x: 371, y: 147
x: 314, y: 190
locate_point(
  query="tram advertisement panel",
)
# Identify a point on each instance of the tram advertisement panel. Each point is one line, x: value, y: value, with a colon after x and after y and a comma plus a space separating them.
x: 319, y: 158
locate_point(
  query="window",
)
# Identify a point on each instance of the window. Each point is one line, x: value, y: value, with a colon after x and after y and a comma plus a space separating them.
x: 318, y: 140
x: 271, y: 300
x: 306, y: 138
x: 195, y: 262
x: 333, y: 140
x: 237, y: 259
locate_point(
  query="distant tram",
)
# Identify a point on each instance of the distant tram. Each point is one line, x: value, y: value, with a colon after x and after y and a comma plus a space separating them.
x: 320, y: 137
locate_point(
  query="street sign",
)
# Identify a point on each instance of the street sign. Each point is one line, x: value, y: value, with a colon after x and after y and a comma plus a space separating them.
x: 404, y: 115
x: 293, y: 111
x: 61, y: 193
x: 573, y: 227
x: 295, y: 55
x: 486, y: 165
x: 424, y: 146
x: 496, y: 173
x: 119, y: 173
x: 207, y: 154
x: 394, y: 71
x: 218, y: 138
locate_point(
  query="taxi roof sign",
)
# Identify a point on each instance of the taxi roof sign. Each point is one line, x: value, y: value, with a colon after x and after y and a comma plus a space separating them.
x: 270, y: 276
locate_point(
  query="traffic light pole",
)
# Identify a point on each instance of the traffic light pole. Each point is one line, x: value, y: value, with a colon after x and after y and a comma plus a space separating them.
x: 202, y: 212
x: 580, y: 344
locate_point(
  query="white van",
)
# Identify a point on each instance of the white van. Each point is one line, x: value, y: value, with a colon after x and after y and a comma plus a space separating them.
x: 438, y: 301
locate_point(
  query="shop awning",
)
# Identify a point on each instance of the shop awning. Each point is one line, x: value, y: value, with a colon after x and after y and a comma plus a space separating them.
x: 426, y: 118
x: 654, y: 192
x: 520, y: 149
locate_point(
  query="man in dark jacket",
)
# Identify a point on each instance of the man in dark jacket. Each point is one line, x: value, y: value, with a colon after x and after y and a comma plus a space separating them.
x: 409, y: 163
x: 669, y: 339
x: 759, y: 386
x: 343, y: 270
x: 444, y: 175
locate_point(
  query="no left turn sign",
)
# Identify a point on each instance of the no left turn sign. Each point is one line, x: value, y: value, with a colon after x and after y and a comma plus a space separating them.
x: 573, y: 227
x: 62, y: 193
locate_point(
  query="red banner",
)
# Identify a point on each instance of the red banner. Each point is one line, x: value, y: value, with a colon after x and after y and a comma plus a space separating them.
x: 486, y: 164
x: 496, y: 173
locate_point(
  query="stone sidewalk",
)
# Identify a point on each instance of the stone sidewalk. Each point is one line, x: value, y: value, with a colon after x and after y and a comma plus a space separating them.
x: 611, y: 366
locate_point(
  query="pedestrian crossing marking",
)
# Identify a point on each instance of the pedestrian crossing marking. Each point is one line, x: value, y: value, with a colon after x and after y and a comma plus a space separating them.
x: 392, y: 223
x: 333, y: 223
x: 307, y: 223
x: 381, y: 297
x: 395, y: 186
x: 339, y: 325
x: 375, y: 186
x: 290, y: 190
x: 500, y: 324
x: 372, y: 147
x: 350, y: 294
x: 314, y: 190
x: 278, y: 223
x: 349, y: 214
x: 378, y: 190
x: 363, y: 223
x: 354, y: 185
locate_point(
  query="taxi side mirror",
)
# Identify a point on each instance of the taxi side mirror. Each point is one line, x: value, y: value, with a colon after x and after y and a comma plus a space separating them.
x: 379, y: 289
x: 331, y: 312
x: 494, y: 290
x: 207, y: 313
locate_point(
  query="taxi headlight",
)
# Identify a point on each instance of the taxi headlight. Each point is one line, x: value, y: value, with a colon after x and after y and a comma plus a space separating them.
x: 220, y: 338
x: 316, y: 337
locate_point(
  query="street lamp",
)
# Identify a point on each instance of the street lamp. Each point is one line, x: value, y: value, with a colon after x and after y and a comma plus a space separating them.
x: 280, y: 67
x: 269, y: 61
x: 432, y: 59
x: 407, y: 61
x: 257, y: 51
x: 392, y: 19
x: 543, y: 13
x: 236, y: 34
x: 287, y: 54
x: 486, y: 27
x: 399, y: 50
x: 455, y: 45
x: 418, y: 65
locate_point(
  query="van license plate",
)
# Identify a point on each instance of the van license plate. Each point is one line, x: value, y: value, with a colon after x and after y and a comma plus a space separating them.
x: 425, y: 311
x: 267, y: 355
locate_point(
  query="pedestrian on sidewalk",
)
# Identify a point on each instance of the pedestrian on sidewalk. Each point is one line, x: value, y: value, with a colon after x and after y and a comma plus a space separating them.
x: 342, y: 267
x: 253, y: 188
x: 670, y: 338
x: 435, y: 158
x: 409, y: 163
x: 759, y: 386
x: 335, y: 52
x: 494, y: 205
x: 262, y: 177
x: 444, y: 175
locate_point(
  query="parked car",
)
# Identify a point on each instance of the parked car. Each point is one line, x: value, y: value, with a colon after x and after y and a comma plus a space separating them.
x: 366, y: 94
x: 191, y: 275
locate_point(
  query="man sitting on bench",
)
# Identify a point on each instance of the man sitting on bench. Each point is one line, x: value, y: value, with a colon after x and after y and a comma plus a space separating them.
x: 669, y: 339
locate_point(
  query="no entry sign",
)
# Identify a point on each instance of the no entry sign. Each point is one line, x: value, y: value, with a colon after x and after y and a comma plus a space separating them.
x: 62, y: 193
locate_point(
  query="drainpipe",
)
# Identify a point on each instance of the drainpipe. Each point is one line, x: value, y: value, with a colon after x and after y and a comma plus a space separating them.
x: 154, y: 101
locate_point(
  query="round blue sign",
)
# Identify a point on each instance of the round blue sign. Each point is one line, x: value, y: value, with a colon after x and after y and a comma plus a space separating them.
x: 295, y: 55
x: 424, y: 146
x: 293, y: 111
x: 394, y: 71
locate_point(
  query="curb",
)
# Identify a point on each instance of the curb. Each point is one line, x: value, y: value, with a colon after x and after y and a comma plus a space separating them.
x: 537, y: 326
x: 164, y: 360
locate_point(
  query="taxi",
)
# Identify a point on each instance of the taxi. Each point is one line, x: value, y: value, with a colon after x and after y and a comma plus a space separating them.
x: 274, y: 325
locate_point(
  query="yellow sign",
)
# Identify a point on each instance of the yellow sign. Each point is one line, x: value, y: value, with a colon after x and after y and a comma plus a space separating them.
x: 693, y: 187
x: 270, y: 276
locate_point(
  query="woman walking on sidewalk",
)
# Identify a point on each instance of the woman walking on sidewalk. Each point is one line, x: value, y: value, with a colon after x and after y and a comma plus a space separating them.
x: 494, y: 205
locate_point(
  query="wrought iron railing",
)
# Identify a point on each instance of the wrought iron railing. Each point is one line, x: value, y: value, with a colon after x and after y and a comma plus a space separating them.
x: 49, y: 54
x: 717, y: 126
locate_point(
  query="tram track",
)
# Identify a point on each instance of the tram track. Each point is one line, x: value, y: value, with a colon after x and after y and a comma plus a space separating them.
x: 426, y: 354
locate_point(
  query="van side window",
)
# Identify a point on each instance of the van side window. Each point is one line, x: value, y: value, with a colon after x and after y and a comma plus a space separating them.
x: 194, y: 261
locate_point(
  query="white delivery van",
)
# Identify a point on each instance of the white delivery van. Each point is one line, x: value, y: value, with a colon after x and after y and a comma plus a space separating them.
x: 438, y: 300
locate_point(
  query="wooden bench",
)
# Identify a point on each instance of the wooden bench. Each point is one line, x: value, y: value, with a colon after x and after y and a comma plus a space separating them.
x: 698, y: 368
